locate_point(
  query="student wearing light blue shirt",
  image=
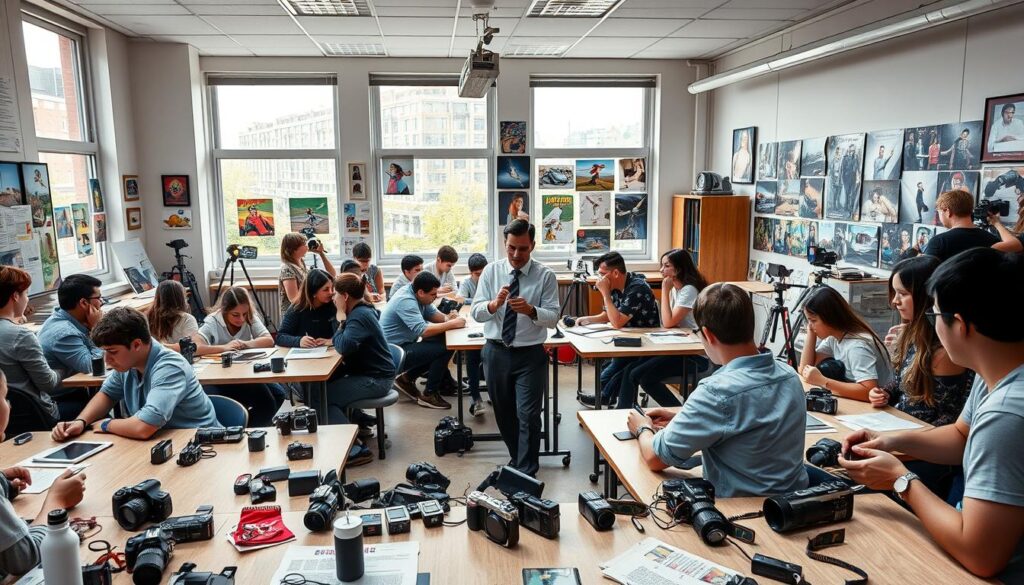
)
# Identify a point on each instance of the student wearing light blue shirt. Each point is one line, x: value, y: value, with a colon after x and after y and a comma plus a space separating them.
x: 747, y: 419
x: 158, y: 386
x: 65, y: 334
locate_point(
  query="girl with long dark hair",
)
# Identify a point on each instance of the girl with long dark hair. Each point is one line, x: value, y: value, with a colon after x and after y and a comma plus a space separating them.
x: 312, y: 321
x: 169, y: 319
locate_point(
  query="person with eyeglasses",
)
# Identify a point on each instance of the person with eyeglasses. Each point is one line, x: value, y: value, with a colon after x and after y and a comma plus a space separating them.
x: 978, y: 319
x: 747, y: 419
x: 65, y: 334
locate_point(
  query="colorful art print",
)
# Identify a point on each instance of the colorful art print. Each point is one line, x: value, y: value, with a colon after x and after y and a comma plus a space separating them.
x: 751, y: 269
x: 812, y: 233
x: 1007, y: 184
x: 83, y: 230
x: 513, y: 137
x: 921, y: 149
x: 99, y: 223
x: 309, y: 215
x: 845, y: 162
x: 924, y: 234
x: 764, y: 196
x: 513, y: 172
x: 761, y: 274
x: 840, y: 239
x: 960, y: 146
x: 364, y: 227
x: 863, y: 245
x: 175, y: 190
x: 763, y: 231
x: 632, y: 174
x: 133, y: 218
x: 826, y: 234
x: 780, y: 241
x: 513, y: 205
x: 812, y: 157
x: 896, y: 240
x: 744, y: 141
x: 881, y: 201
x: 555, y: 176
x: 131, y: 187
x: 255, y: 217
x: 918, y: 191
x: 557, y: 222
x: 97, y: 195
x: 398, y: 176
x: 177, y: 219
x: 883, y: 155
x: 64, y: 222
x: 811, y: 189
x: 10, y: 185
x: 796, y: 237
x: 35, y: 181
x: 595, y: 174
x: 630, y: 216
x: 767, y: 159
x: 593, y: 241
x: 788, y: 166
x: 1004, y: 129
x: 959, y: 180
x: 787, y: 198
x: 595, y: 209
x: 356, y: 181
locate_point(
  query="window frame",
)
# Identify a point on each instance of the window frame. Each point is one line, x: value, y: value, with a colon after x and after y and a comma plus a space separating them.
x: 379, y: 153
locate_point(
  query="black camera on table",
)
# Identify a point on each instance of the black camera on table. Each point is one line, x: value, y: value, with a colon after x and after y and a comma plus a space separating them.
x: 324, y: 503
x: 451, y: 436
x: 300, y: 419
x: 498, y: 519
x: 261, y: 490
x: 824, y: 453
x: 161, y: 452
x: 825, y: 503
x: 361, y: 490
x: 216, y: 435
x: 537, y: 514
x: 187, y: 575
x: 188, y: 349
x: 424, y: 474
x: 821, y: 257
x: 693, y: 501
x: 821, y: 400
x: 190, y: 454
x: 144, y: 502
x: 447, y: 306
x: 297, y: 451
x: 198, y: 526
x: 597, y: 511
x: 146, y: 555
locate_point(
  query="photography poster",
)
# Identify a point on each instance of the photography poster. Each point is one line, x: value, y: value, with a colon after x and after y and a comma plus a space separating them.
x: 595, y: 174
x: 811, y: 189
x: 255, y: 217
x: 812, y: 157
x: 36, y: 182
x: 83, y: 231
x: 788, y: 166
x: 897, y: 240
x: 960, y: 146
x: 513, y: 205
x: 556, y: 175
x: 99, y: 222
x: 593, y: 241
x: 348, y: 243
x: 309, y: 214
x: 357, y: 219
x: 884, y: 154
x: 764, y: 196
x: 136, y: 265
x: 1006, y: 184
x: 62, y: 217
x: 595, y: 209
x: 844, y: 176
x: 632, y: 174
x: 557, y: 225
x: 767, y: 158
x: 918, y: 191
x: 881, y: 201
x: 177, y: 218
x: 630, y: 220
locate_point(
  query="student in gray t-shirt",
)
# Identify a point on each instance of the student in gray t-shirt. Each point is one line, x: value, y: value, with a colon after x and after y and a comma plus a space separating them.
x: 985, y: 531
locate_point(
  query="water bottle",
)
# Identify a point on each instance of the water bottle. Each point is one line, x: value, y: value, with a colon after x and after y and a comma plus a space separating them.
x: 59, y: 550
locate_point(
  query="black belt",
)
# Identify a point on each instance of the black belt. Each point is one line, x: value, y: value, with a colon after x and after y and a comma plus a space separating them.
x: 501, y: 345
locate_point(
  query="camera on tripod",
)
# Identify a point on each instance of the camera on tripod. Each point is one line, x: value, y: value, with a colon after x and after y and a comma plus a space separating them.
x: 177, y: 244
x: 236, y: 252
x: 580, y: 267
x: 989, y: 207
x: 778, y: 271
x: 451, y: 436
x: 821, y: 257
x: 821, y: 400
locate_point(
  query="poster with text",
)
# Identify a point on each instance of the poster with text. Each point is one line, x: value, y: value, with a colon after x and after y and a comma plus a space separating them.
x: 83, y: 229
x: 592, y: 241
x: 557, y: 223
x: 99, y: 223
x: 255, y: 217
x: 513, y: 205
x: 630, y: 216
x: 632, y: 174
x: 595, y: 174
x: 595, y: 209
x: 1005, y: 184
x: 308, y: 215
x: 357, y: 219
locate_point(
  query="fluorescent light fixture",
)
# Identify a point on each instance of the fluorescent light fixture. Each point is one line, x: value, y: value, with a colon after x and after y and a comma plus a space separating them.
x: 353, y: 49
x: 577, y: 8
x: 535, y: 50
x: 328, y: 7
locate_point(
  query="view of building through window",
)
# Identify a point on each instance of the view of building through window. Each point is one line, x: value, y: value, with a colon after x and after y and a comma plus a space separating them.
x: 588, y: 117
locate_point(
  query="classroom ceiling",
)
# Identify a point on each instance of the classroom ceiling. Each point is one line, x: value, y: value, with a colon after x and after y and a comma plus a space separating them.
x: 638, y: 29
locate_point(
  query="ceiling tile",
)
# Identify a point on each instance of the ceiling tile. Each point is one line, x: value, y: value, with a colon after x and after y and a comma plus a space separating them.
x: 350, y: 40
x: 608, y: 48
x: 803, y: 4
x: 283, y: 41
x: 468, y: 28
x: 238, y: 9
x: 733, y: 29
x: 311, y: 51
x: 638, y: 27
x: 138, y: 9
x: 163, y: 25
x: 337, y: 25
x: 227, y: 2
x: 500, y: 10
x: 417, y: 26
x: 563, y: 27
x: 437, y: 42
x: 690, y: 4
x: 255, y: 25
x: 93, y: 2
x: 756, y: 13
x: 464, y: 44
x: 437, y: 11
x: 447, y: 3
x: 681, y: 48
x: 238, y: 52
x: 199, y: 41
x: 418, y: 52
x: 627, y: 12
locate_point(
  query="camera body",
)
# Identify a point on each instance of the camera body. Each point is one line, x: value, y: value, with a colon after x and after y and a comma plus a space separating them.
x: 597, y: 511
x: 989, y: 207
x: 826, y: 503
x: 324, y: 503
x: 187, y: 575
x: 537, y: 514
x: 161, y: 452
x: 188, y: 349
x: 257, y: 440
x: 261, y: 490
x: 447, y: 306
x: 818, y: 256
x: 693, y: 501
x: 146, y: 554
x: 300, y: 419
x: 824, y: 453
x: 198, y: 526
x: 450, y: 436
x: 361, y: 490
x: 177, y: 244
x: 207, y: 436
x: 297, y: 451
x: 821, y: 400
x: 144, y: 502
x: 190, y: 454
x: 498, y: 519
x: 424, y: 474
x: 311, y: 240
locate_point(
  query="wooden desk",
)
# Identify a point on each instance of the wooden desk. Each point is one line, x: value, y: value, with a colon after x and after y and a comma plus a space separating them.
x: 754, y: 287
x: 209, y: 481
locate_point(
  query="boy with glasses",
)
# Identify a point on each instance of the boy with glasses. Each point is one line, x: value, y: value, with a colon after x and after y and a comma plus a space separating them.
x: 65, y: 335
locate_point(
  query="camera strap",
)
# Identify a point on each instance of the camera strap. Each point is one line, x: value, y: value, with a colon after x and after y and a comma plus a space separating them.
x: 829, y: 539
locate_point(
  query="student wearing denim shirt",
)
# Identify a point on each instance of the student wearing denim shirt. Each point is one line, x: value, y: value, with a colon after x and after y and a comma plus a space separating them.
x: 65, y: 335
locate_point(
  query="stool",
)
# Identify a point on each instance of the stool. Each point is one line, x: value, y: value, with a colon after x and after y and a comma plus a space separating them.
x: 378, y: 405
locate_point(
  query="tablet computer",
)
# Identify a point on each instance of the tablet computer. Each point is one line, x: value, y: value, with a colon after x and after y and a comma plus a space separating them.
x: 70, y: 453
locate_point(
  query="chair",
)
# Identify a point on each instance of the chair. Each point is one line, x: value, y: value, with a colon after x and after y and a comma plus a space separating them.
x: 27, y: 414
x: 230, y: 412
x: 378, y: 404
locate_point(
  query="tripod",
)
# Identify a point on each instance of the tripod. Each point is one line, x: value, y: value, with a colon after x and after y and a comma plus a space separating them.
x: 233, y: 256
x: 779, y: 313
x: 577, y: 288
x: 188, y: 280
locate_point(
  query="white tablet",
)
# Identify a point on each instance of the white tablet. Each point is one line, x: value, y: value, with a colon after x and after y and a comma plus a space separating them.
x: 70, y: 453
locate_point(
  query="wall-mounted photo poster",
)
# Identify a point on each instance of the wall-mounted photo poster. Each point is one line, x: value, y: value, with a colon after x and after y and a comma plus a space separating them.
x: 1004, y: 129
x: 787, y: 199
x: 962, y: 180
x: 883, y: 155
x: 513, y: 205
x: 763, y: 232
x: 632, y: 174
x: 255, y: 217
x: 593, y: 241
x: 897, y: 240
x: 513, y: 172
x: 960, y: 146
x: 767, y: 158
x: 397, y: 178
x: 513, y: 137
x: 811, y: 197
x: 842, y: 186
x: 595, y: 174
x: 1006, y: 184
x: 308, y: 215
x: 764, y: 196
x: 595, y: 209
x: 744, y: 140
x: 812, y: 157
x: 881, y: 201
x: 863, y: 245
x: 921, y: 149
x: 918, y: 191
x: 789, y: 159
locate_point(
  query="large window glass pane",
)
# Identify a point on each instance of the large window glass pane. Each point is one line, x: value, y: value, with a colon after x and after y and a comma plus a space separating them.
x: 588, y: 117
x: 448, y: 205
x: 267, y: 198
x: 55, y: 82
x: 275, y: 116
x: 431, y: 117
x: 69, y: 190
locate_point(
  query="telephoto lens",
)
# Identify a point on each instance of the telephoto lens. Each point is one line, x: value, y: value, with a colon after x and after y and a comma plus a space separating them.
x: 709, y: 523
x: 825, y: 503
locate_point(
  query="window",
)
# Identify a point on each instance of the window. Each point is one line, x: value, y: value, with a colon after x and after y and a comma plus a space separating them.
x: 276, y: 155
x: 61, y: 109
x: 449, y: 188
x: 592, y: 154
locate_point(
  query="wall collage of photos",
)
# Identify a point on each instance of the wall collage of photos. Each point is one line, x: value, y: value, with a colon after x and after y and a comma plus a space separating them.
x: 870, y: 197
x: 28, y: 238
x: 582, y: 206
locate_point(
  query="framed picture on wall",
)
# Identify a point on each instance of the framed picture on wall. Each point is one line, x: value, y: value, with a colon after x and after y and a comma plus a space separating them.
x: 744, y: 141
x: 133, y: 217
x: 175, y: 190
x: 357, y: 181
x: 1003, y: 129
x: 131, y: 187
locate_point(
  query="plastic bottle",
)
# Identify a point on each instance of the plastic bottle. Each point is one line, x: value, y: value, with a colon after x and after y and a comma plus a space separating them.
x: 61, y: 563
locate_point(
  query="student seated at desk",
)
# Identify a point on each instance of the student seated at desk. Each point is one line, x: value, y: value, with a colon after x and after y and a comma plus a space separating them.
x: 363, y: 255
x: 293, y: 268
x: 169, y: 319
x: 313, y: 320
x: 158, y: 387
x: 985, y: 532
x: 628, y: 302
x: 234, y: 326
x: 841, y: 353
x: 409, y: 316
x: 19, y: 543
x: 441, y: 267
x: 411, y: 266
x: 467, y: 288
x: 747, y: 419
x: 65, y: 334
x: 21, y: 356
x: 352, y: 267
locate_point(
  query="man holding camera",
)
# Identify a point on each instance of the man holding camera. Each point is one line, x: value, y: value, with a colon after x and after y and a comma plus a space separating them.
x: 747, y: 419
x: 158, y: 386
x: 985, y: 532
x: 517, y: 301
x: 954, y: 209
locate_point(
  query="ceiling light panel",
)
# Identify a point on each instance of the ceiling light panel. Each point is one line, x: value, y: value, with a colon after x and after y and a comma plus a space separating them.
x: 353, y: 49
x: 329, y: 7
x: 513, y: 50
x: 578, y: 8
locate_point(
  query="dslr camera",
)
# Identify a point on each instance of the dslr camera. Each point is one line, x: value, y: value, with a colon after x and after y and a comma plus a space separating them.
x: 693, y: 501
x: 324, y: 503
x: 300, y: 419
x: 297, y: 451
x: 447, y: 306
x: 821, y: 400
x: 597, y: 511
x: 144, y: 502
x: 451, y: 436
x: 826, y: 503
x: 188, y: 349
x: 177, y: 244
x: 818, y: 256
x: 537, y: 514
x: 425, y: 475
x: 499, y: 519
x: 187, y: 575
x: 146, y: 555
x: 198, y: 526
x: 989, y: 207
x: 824, y: 453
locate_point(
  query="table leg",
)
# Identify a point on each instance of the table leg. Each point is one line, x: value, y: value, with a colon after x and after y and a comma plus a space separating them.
x: 597, y: 406
x: 458, y: 382
x: 323, y: 402
x: 547, y: 412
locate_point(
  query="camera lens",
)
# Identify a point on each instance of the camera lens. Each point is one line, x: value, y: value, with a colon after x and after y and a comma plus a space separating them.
x: 495, y: 528
x: 149, y: 566
x: 133, y: 513
x: 318, y: 517
x: 779, y: 514
x: 709, y: 522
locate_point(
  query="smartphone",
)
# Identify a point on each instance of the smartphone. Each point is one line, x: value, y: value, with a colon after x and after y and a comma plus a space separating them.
x: 22, y: 438
x: 475, y: 335
x: 624, y: 436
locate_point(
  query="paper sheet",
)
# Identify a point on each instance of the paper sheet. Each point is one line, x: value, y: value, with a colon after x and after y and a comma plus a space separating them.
x: 876, y: 421
x: 816, y: 425
x: 652, y: 562
x: 43, y: 477
x: 666, y: 339
x: 10, y: 128
x: 301, y: 353
x: 386, y: 563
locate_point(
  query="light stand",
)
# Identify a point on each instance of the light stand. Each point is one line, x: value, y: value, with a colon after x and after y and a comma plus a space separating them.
x: 187, y: 279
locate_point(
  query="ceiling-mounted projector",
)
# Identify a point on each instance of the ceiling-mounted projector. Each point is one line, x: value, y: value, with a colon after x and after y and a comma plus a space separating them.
x: 478, y: 73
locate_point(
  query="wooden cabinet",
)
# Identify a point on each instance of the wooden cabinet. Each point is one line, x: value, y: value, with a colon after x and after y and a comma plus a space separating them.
x: 715, y: 229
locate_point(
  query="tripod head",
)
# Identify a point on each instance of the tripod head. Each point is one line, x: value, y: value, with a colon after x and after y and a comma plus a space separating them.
x: 178, y: 244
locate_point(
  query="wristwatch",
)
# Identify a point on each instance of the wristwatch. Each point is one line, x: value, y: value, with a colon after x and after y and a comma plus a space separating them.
x: 641, y: 430
x: 902, y: 483
x: 105, y: 424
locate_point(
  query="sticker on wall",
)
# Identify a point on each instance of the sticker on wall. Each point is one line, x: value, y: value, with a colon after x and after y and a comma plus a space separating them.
x: 513, y: 137
x: 592, y: 241
x: 177, y: 219
x: 632, y: 174
x: 308, y: 215
x: 99, y: 223
x: 595, y: 174
x: 83, y: 230
x: 557, y: 224
x: 65, y: 227
x: 595, y: 209
x: 255, y: 217
x: 513, y: 172
x: 512, y: 205
x: 397, y: 176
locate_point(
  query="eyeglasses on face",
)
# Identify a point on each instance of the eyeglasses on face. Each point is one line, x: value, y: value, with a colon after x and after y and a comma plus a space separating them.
x: 933, y: 315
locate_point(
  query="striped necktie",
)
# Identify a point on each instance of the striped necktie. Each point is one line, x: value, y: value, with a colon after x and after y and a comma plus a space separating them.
x: 508, y: 325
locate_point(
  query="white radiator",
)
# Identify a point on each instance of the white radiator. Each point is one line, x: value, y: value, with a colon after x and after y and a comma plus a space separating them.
x: 271, y: 305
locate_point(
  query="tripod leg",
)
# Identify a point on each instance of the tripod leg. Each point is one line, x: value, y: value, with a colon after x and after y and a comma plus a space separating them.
x: 220, y: 285
x: 259, y: 305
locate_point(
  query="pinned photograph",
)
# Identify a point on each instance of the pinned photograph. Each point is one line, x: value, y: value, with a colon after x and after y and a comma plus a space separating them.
x: 884, y: 152
x: 881, y: 201
x: 99, y: 222
x: 557, y: 224
x: 131, y: 187
x: 897, y: 240
x: 811, y: 197
x: 513, y: 137
x: 630, y: 216
x: 176, y: 193
x: 65, y: 225
x: 959, y: 180
x: 595, y: 209
x: 83, y: 229
x: 97, y: 195
x: 10, y: 184
x: 357, y: 181
x: 924, y: 234
x: 840, y: 239
x: 743, y: 141
x: 592, y: 241
x: 763, y: 234
x: 308, y: 215
x: 812, y: 233
x: 35, y: 181
x: 255, y: 217
x: 796, y: 237
x: 789, y: 160
x: 764, y: 196
x: 960, y: 146
x: 826, y: 234
x: 177, y: 219
x: 632, y: 174
x: 133, y: 217
x: 921, y: 149
x: 1004, y: 129
x: 513, y: 172
x: 595, y: 174
x: 780, y: 237
x: 1005, y: 184
x: 397, y: 176
x: 863, y: 245
x: 767, y: 158
x: 918, y: 191
x: 555, y: 176
x: 842, y: 186
x: 812, y: 157
x: 787, y: 200
x: 513, y: 205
